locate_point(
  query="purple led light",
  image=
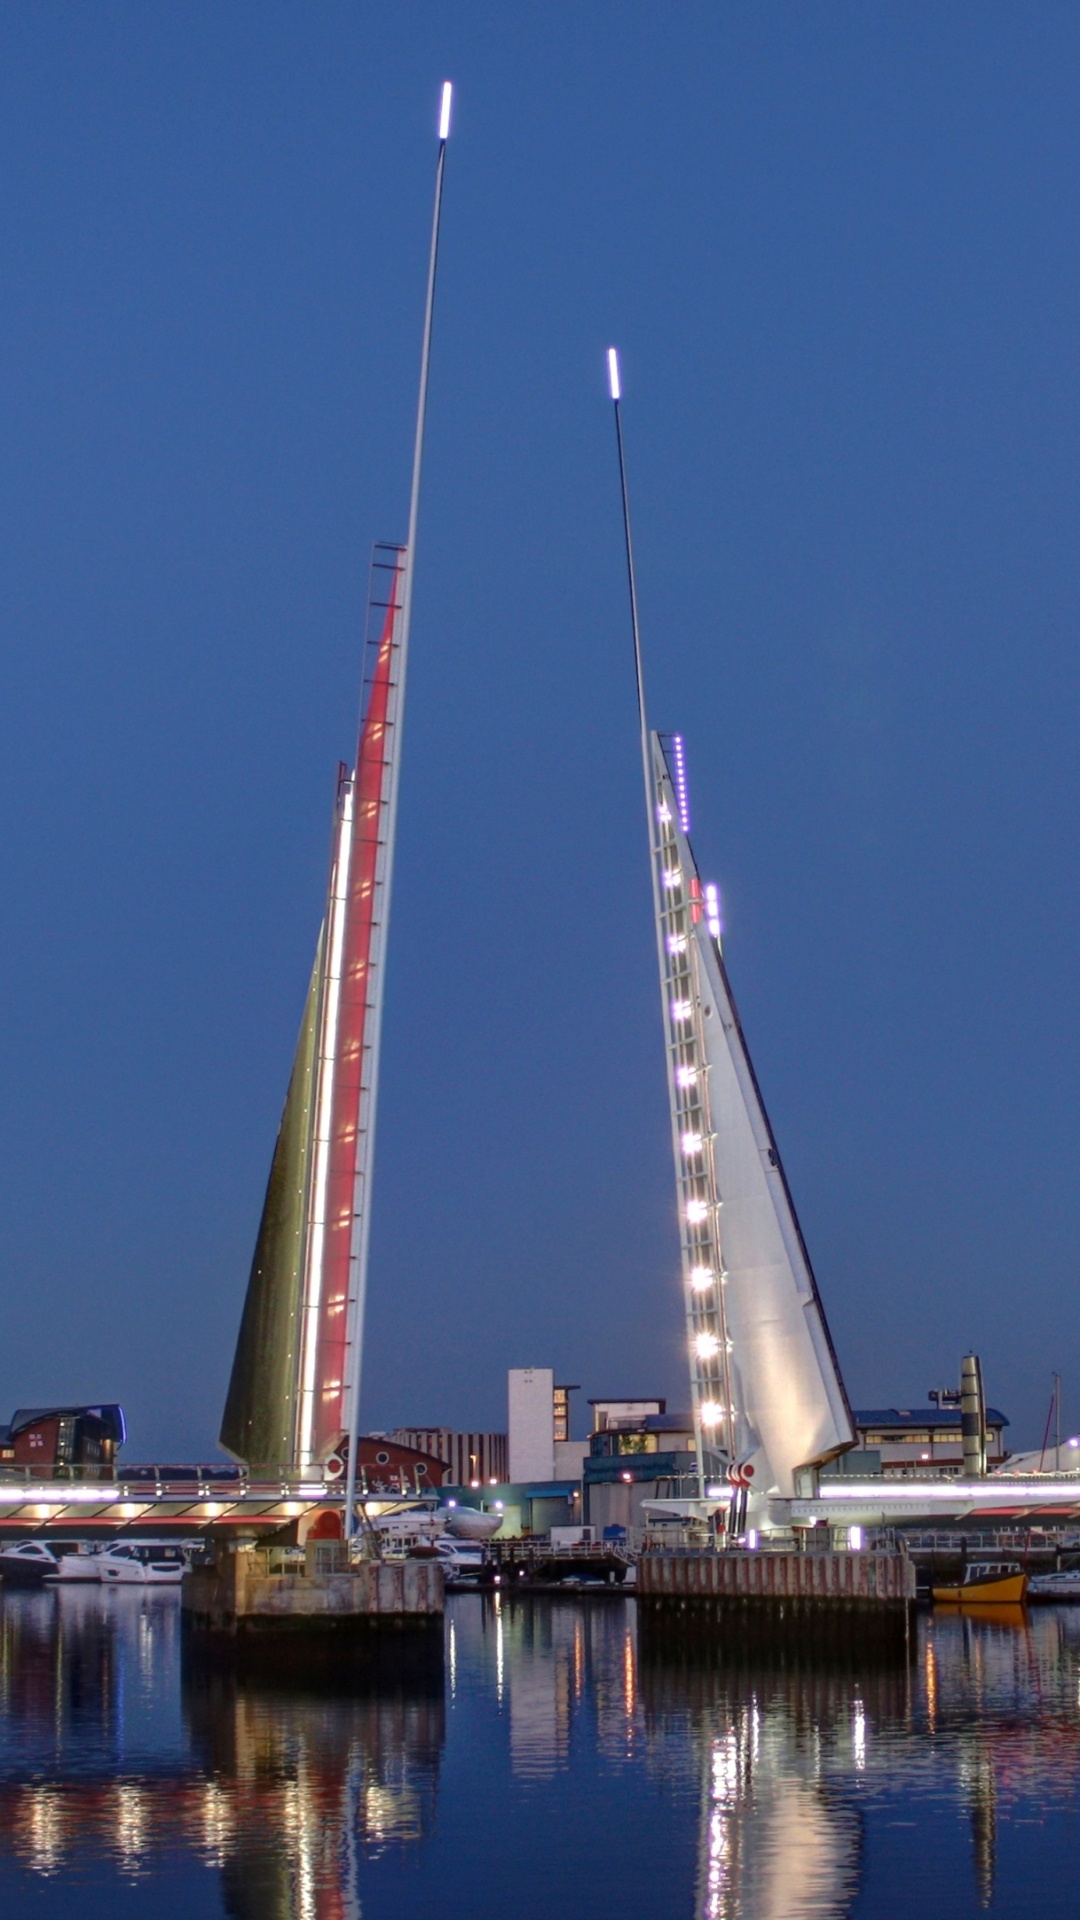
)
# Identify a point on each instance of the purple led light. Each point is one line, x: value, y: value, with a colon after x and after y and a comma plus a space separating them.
x: 682, y: 792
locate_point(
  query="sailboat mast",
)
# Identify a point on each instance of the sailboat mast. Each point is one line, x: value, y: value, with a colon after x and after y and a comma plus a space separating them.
x: 373, y: 1033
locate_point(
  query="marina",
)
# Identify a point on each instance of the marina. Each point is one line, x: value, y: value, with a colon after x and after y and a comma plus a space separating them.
x: 515, y: 1538
x: 799, y: 1785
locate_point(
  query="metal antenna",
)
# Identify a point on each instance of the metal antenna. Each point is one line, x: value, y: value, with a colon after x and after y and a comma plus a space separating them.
x: 615, y: 385
x: 379, y: 971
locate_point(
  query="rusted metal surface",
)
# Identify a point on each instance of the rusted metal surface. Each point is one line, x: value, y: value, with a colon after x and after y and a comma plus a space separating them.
x: 825, y: 1579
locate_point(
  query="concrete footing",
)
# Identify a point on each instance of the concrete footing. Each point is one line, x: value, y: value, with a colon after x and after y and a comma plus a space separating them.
x: 238, y: 1604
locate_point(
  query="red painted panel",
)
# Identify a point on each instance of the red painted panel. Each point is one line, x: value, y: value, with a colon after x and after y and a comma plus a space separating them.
x: 369, y: 829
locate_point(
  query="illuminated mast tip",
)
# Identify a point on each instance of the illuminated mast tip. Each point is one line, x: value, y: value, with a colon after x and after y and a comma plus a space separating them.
x: 613, y: 373
x: 444, y: 110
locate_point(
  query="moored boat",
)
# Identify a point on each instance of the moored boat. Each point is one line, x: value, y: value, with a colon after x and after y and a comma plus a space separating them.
x: 27, y: 1563
x: 76, y: 1560
x: 987, y: 1584
x: 1055, y: 1586
x: 155, y: 1563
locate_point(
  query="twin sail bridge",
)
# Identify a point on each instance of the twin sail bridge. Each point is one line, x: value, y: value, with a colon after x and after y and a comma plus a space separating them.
x: 769, y: 1406
x: 294, y: 1393
x: 766, y: 1389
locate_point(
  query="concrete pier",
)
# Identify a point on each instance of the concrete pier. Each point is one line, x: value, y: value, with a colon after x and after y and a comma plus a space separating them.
x: 242, y: 1602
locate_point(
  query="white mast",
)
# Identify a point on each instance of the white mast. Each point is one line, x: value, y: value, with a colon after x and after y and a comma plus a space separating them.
x: 687, y: 1074
x: 765, y: 1386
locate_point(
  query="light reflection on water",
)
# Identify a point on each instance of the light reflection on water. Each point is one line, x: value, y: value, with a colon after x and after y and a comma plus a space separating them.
x: 556, y: 1765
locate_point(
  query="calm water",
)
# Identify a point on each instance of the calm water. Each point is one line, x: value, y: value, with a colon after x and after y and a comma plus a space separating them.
x: 559, y: 1771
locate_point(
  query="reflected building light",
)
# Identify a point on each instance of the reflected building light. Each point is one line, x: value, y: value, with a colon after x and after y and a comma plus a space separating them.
x: 215, y: 1823
x: 130, y: 1825
x: 858, y: 1734
x: 46, y: 1829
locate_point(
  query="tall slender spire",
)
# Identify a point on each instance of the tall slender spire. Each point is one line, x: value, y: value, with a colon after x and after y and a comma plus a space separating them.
x: 295, y: 1388
x: 710, y: 1384
x: 766, y: 1390
x: 373, y: 1033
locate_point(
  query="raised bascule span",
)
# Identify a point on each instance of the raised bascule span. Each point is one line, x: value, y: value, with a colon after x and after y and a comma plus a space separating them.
x: 293, y: 1398
x: 766, y: 1390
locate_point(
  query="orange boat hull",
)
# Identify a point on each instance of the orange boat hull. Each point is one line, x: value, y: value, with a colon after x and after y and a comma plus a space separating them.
x: 1008, y: 1591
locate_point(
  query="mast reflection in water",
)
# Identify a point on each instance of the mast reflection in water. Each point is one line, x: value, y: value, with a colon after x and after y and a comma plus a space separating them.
x: 564, y: 1762
x: 285, y: 1789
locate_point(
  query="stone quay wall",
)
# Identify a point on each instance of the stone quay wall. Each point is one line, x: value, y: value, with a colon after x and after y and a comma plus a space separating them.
x: 238, y: 1595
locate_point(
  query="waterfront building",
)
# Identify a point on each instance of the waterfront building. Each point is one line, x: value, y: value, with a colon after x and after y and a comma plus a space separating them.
x: 920, y: 1440
x: 87, y: 1438
x: 634, y: 1458
x: 626, y: 1414
x: 470, y: 1459
x: 527, y: 1509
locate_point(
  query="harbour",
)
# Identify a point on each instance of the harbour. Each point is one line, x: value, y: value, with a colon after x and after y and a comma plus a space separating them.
x: 536, y: 679
x: 795, y: 1783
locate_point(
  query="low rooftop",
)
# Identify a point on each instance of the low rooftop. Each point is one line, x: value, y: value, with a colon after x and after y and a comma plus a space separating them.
x: 919, y: 1417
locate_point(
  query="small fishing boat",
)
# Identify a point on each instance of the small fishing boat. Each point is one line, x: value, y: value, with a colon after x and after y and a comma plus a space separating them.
x: 987, y: 1583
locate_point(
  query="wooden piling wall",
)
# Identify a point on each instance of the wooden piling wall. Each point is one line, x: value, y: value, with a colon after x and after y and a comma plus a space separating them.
x: 809, y: 1582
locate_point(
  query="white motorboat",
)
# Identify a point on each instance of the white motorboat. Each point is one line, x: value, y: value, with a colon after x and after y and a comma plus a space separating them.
x: 468, y: 1523
x: 157, y: 1563
x: 408, y: 1529
x: 461, y: 1560
x: 1055, y: 1586
x: 27, y: 1563
x: 76, y: 1560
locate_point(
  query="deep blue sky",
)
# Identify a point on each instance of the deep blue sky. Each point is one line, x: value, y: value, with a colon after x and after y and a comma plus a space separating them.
x: 838, y: 246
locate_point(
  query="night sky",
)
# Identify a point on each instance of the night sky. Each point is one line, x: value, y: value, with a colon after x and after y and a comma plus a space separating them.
x: 839, y: 248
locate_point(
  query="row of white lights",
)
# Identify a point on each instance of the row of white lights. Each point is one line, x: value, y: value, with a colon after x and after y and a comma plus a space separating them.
x: 705, y: 1345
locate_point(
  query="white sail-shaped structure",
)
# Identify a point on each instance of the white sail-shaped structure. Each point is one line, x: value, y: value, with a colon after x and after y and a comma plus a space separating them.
x: 765, y: 1382
x: 765, y: 1386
